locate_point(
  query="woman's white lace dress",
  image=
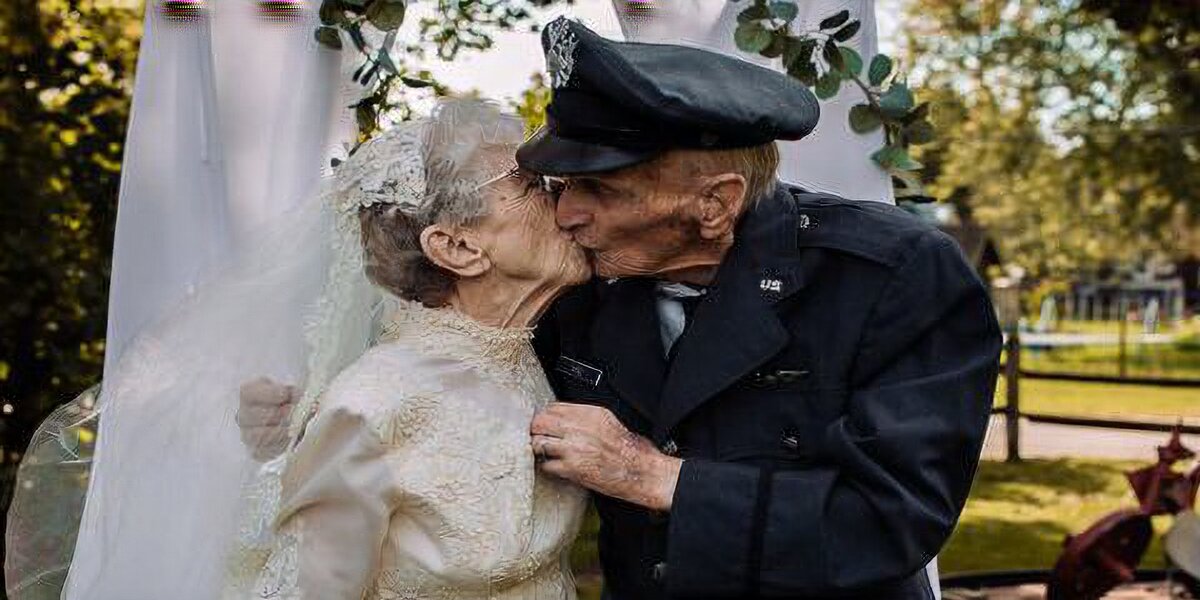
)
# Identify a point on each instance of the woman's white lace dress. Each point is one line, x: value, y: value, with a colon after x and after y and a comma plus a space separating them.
x: 415, y: 478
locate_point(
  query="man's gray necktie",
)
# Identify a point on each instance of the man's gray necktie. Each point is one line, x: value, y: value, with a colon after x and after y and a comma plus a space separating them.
x: 675, y: 302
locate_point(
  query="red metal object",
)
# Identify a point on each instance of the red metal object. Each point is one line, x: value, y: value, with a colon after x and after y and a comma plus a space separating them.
x: 1101, y: 558
x: 1107, y: 553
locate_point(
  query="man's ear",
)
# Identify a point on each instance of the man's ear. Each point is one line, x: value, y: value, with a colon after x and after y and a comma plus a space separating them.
x: 455, y: 249
x: 722, y: 200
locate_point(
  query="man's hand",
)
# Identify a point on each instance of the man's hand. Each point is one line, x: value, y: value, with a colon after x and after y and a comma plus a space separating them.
x: 589, y: 446
x: 263, y: 415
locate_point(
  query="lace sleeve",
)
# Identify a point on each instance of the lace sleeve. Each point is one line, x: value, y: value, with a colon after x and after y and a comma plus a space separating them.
x: 337, y: 493
x: 347, y: 474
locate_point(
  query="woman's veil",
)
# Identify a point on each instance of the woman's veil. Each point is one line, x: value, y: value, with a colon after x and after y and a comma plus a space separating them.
x: 212, y: 282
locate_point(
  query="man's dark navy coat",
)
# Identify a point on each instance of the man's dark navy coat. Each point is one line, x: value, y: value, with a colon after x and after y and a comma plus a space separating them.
x: 829, y: 400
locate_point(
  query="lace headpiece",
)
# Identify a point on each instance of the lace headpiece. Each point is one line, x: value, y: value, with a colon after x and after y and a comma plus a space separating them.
x: 388, y: 169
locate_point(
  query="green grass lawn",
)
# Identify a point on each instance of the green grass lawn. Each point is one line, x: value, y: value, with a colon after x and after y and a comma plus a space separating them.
x: 1141, y: 360
x: 1106, y: 400
x: 1016, y: 517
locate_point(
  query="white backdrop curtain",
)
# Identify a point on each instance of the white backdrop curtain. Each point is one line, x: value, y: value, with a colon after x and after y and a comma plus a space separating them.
x: 833, y: 158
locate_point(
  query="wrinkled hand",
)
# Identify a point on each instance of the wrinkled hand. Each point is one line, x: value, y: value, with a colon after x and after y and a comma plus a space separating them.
x: 264, y: 411
x: 589, y: 446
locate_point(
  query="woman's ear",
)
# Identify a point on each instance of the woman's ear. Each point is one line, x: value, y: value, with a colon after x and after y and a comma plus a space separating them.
x: 455, y: 249
x: 722, y: 200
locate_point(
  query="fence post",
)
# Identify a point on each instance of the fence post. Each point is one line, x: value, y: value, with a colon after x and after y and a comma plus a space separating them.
x: 1012, y: 389
x: 1123, y: 336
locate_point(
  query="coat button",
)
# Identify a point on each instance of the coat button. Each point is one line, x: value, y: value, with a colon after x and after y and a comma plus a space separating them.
x: 670, y: 448
x: 659, y: 572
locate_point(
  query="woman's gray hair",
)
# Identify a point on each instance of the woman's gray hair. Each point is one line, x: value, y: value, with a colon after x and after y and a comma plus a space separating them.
x: 459, y: 149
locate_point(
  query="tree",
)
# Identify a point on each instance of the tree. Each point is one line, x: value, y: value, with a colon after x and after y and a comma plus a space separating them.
x: 1072, y: 138
x: 64, y: 101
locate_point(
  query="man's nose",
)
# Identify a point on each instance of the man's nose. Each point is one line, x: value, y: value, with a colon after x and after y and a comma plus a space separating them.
x: 571, y: 212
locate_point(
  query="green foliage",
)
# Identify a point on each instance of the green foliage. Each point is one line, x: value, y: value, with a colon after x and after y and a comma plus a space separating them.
x: 457, y: 25
x: 766, y: 28
x: 1069, y: 128
x: 64, y: 102
x: 1018, y: 514
x: 532, y: 106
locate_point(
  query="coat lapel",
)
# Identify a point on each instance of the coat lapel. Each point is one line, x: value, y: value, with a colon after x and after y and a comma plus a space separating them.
x: 627, y: 340
x: 736, y: 328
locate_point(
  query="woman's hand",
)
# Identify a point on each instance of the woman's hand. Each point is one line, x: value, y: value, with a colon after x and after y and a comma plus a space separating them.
x: 264, y: 411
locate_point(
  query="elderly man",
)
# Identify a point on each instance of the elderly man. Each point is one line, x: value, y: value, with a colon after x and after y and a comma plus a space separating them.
x: 774, y: 393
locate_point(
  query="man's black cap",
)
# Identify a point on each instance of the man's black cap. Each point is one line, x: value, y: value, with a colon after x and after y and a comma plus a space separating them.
x: 616, y: 104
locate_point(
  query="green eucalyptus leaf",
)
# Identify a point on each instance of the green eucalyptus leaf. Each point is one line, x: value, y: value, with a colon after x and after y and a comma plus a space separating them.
x: 921, y: 111
x: 896, y: 101
x: 848, y: 31
x: 369, y: 75
x: 828, y: 85
x: 919, y: 132
x: 784, y: 10
x: 805, y: 71
x: 386, y: 15
x: 385, y: 61
x: 356, y: 36
x: 831, y: 54
x: 852, y: 63
x: 798, y: 49
x: 365, y: 115
x: 881, y: 67
x: 754, y: 12
x: 331, y: 13
x: 894, y: 157
x: 413, y: 82
x: 835, y: 20
x: 328, y: 37
x: 752, y: 37
x: 864, y: 118
x: 778, y: 43
x: 907, y: 186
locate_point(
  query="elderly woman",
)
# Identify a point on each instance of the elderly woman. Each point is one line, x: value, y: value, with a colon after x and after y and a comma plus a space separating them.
x: 412, y: 475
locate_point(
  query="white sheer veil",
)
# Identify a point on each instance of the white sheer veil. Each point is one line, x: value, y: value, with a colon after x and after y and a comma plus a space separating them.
x: 170, y: 481
x: 213, y: 281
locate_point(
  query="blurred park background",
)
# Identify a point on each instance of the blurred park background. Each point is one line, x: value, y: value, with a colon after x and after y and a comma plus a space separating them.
x: 1066, y: 162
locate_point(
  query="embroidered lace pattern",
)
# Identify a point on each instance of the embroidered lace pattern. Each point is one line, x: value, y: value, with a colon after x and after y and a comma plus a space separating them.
x: 450, y: 401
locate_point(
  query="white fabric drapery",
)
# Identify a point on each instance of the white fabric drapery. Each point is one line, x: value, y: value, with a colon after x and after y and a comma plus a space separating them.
x: 832, y: 158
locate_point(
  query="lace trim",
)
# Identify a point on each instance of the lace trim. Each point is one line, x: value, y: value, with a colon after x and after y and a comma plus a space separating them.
x: 503, y: 355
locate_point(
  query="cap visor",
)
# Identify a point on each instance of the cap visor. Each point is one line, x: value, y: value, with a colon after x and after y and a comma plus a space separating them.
x: 549, y: 154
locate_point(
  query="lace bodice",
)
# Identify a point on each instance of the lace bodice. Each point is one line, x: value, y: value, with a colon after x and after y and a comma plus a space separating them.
x: 415, y: 479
